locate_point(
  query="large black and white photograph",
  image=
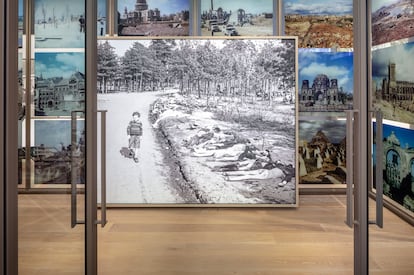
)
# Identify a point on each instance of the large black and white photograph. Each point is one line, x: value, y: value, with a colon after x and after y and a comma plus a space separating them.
x: 59, y: 83
x: 237, y: 18
x: 393, y: 82
x: 322, y: 151
x: 154, y: 17
x: 52, y: 152
x: 197, y: 121
x: 398, y: 163
x: 59, y: 24
x: 326, y: 81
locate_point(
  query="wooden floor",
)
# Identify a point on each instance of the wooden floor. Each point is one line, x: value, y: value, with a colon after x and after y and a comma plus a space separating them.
x: 311, y: 239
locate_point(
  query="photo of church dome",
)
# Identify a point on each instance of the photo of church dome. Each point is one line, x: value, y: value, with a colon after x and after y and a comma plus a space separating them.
x: 325, y: 81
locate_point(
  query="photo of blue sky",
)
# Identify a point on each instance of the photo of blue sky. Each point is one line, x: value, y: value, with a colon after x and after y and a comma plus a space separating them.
x: 59, y: 64
x: 250, y: 6
x: 318, y: 7
x: 403, y: 57
x: 335, y: 130
x: 337, y: 65
x: 405, y: 136
x: 101, y: 8
x: 166, y: 7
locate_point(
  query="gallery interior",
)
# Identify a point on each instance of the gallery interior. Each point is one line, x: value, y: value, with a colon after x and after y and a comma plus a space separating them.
x: 206, y: 137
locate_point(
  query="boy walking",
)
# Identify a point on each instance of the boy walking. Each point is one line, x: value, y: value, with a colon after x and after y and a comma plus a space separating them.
x: 134, y: 131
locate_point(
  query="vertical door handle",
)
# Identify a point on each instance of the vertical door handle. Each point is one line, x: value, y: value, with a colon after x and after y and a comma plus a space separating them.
x: 379, y: 152
x: 103, y: 220
x: 349, y: 167
x: 74, y: 168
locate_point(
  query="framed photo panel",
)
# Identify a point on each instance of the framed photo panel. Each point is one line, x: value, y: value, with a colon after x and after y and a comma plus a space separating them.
x: 59, y: 24
x: 200, y: 121
x: 320, y: 23
x: 326, y: 80
x: 101, y: 26
x: 393, y: 81
x: 153, y: 18
x: 392, y: 20
x: 398, y: 164
x: 237, y: 18
x: 21, y: 22
x: 51, y: 154
x: 322, y: 151
x: 59, y: 83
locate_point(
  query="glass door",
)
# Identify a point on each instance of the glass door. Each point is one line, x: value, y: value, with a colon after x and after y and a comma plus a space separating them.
x: 391, y: 93
x: 53, y: 224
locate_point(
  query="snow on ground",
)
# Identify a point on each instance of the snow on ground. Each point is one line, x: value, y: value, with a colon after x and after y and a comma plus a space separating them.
x: 127, y: 181
x: 61, y: 35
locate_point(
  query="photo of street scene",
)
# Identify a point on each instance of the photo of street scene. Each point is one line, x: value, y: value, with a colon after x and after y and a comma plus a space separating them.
x: 392, y: 20
x: 237, y: 18
x: 153, y: 17
x: 325, y: 81
x: 59, y: 24
x: 322, y: 151
x: 393, y: 82
x: 52, y: 154
x: 200, y: 121
x: 59, y: 83
x: 320, y: 23
x: 101, y: 22
x: 398, y: 164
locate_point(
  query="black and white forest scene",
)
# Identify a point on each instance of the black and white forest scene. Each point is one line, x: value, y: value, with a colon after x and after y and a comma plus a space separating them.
x: 197, y: 121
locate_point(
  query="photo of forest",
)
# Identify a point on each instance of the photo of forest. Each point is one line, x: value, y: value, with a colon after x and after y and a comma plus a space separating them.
x: 217, y: 120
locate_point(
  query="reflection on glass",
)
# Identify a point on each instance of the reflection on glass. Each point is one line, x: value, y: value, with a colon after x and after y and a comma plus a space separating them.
x: 59, y: 24
x: 234, y: 18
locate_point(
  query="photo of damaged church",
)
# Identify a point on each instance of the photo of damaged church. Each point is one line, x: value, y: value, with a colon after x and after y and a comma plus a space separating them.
x: 398, y: 165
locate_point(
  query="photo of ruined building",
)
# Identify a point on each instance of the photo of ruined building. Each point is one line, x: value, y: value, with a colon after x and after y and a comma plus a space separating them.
x: 153, y: 18
x: 398, y: 165
x: 393, y: 82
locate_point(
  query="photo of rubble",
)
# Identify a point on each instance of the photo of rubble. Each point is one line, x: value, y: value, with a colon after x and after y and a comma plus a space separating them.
x: 59, y: 83
x: 153, y: 18
x: 325, y: 81
x: 59, y: 24
x: 398, y: 164
x: 237, y: 18
x: 322, y: 151
x: 393, y: 82
x: 195, y: 125
x: 392, y: 20
x: 52, y: 152
x: 321, y: 23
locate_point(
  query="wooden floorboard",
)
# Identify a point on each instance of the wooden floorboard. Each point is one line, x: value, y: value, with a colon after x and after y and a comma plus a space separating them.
x: 311, y: 239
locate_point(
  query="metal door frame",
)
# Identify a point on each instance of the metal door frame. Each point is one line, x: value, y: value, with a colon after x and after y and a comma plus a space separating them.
x: 8, y: 137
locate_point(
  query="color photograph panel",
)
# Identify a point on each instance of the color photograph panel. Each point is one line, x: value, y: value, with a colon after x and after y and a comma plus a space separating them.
x: 325, y: 81
x: 59, y: 83
x: 234, y: 18
x: 203, y: 122
x: 398, y: 164
x: 52, y: 153
x: 21, y: 22
x: 393, y: 82
x: 320, y: 23
x: 322, y: 151
x: 392, y: 20
x: 101, y: 23
x: 153, y: 18
x: 59, y: 24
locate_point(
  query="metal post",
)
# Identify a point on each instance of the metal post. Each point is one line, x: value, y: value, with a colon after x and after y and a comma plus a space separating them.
x: 360, y: 12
